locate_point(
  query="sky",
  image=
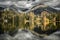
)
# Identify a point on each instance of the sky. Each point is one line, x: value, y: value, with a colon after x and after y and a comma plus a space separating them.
x: 52, y: 3
x: 46, y: 2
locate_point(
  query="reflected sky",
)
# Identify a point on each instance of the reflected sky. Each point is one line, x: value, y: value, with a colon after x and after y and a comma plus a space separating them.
x: 27, y: 35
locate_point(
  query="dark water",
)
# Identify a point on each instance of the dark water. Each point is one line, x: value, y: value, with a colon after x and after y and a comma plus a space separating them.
x: 27, y: 35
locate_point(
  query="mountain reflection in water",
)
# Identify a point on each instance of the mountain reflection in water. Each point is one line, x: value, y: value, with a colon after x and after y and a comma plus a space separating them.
x: 27, y: 35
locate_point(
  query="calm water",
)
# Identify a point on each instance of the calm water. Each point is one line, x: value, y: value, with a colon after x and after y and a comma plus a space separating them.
x: 27, y: 35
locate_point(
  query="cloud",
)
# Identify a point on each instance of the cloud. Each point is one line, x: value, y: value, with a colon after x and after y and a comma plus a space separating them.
x: 23, y: 4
